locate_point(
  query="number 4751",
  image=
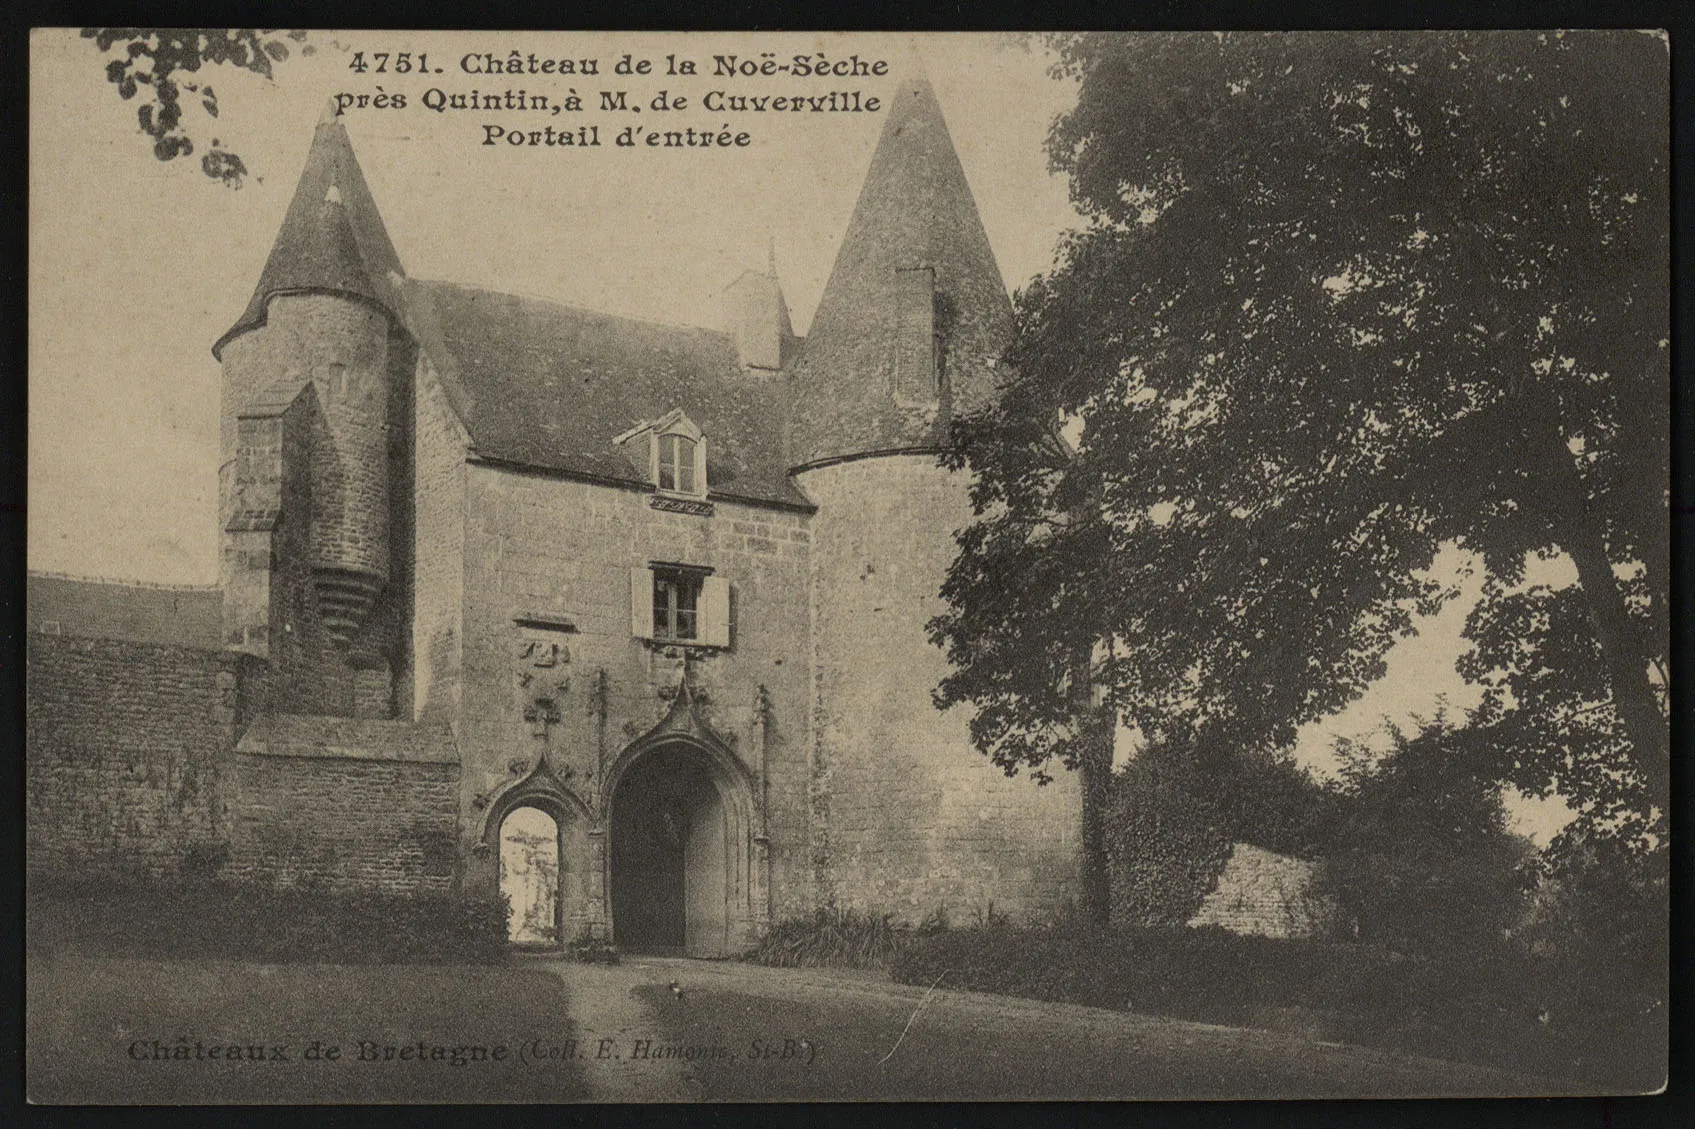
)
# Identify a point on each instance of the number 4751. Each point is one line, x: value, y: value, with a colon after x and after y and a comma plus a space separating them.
x: 385, y: 61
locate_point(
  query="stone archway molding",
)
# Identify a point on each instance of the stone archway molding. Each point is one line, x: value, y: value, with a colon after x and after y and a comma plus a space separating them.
x: 544, y: 788
x: 685, y: 726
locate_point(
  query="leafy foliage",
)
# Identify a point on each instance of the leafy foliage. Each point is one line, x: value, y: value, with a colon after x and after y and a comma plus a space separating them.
x: 1418, y: 855
x: 152, y: 63
x: 1548, y: 710
x: 1341, y: 301
x: 1165, y: 841
x: 1599, y: 925
x: 1178, y: 806
x: 831, y: 937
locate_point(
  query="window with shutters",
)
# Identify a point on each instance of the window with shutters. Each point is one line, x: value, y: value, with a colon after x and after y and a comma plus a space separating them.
x: 676, y: 605
x: 680, y: 604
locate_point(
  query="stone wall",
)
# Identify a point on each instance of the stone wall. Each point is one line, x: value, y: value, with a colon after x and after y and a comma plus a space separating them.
x: 540, y: 548
x: 277, y: 433
x: 344, y: 804
x: 1264, y: 893
x: 344, y: 824
x: 126, y: 746
x: 909, y: 816
x: 439, y: 580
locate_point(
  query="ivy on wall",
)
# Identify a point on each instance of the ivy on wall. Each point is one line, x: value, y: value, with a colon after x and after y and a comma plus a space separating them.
x: 1166, y: 846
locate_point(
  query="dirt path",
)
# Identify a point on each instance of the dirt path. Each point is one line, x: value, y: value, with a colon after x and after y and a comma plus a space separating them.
x: 115, y: 1029
x: 604, y: 1006
x: 742, y: 1032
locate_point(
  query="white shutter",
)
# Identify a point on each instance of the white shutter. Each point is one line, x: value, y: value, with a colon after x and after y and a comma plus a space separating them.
x: 715, y: 611
x: 641, y: 603
x: 700, y: 469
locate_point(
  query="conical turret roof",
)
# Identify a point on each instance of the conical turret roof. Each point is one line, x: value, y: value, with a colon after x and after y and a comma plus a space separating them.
x: 332, y: 239
x: 914, y: 211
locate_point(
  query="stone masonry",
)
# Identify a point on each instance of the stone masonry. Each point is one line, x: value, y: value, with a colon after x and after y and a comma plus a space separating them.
x: 128, y: 751
x: 1264, y: 893
x: 455, y: 583
x: 910, y: 818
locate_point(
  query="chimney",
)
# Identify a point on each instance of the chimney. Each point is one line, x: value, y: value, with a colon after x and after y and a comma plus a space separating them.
x: 758, y: 318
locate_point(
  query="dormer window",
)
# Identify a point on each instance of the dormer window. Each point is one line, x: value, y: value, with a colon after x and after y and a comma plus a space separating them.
x: 676, y: 464
x: 674, y: 455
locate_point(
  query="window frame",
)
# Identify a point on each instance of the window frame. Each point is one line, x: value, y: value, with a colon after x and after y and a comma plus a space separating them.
x: 654, y: 616
x: 678, y: 427
x: 681, y: 444
x: 670, y: 586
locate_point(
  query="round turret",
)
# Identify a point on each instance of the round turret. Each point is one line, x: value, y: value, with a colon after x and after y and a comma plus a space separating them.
x: 350, y: 504
x: 321, y: 315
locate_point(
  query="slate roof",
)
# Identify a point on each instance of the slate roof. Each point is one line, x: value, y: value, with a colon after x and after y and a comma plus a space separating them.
x: 915, y: 210
x: 183, y: 616
x: 548, y: 386
x: 332, y: 237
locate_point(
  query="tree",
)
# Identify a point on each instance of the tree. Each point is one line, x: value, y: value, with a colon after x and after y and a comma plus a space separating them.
x: 1341, y: 300
x: 1177, y: 808
x: 153, y: 60
x: 1418, y: 855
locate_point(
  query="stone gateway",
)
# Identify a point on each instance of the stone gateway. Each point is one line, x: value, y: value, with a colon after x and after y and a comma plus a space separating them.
x: 626, y: 619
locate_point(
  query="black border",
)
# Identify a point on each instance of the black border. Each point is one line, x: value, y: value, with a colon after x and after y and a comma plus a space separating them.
x: 1673, y: 1107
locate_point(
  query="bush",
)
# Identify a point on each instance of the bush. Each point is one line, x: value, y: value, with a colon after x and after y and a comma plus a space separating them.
x: 1418, y: 856
x: 1474, y: 1002
x: 1165, y: 849
x: 1177, y: 807
x: 830, y: 937
x: 218, y: 920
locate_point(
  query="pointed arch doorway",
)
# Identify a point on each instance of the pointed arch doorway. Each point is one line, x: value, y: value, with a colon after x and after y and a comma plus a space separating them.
x: 678, y: 858
x: 529, y: 874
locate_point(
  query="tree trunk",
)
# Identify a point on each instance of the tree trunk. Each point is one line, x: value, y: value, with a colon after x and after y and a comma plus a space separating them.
x: 1576, y: 531
x: 1095, y: 777
x: 1627, y: 663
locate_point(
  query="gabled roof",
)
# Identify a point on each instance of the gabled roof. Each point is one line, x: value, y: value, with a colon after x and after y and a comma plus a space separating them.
x: 548, y: 386
x: 915, y: 210
x: 551, y: 386
x: 332, y: 238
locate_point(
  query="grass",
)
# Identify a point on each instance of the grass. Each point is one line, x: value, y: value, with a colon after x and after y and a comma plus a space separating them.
x: 220, y: 921
x: 962, y: 1047
x: 89, y: 1014
x: 1478, y: 1004
x: 113, y: 969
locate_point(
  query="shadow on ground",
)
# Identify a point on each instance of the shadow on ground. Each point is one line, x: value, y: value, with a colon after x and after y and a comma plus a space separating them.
x: 106, y: 1029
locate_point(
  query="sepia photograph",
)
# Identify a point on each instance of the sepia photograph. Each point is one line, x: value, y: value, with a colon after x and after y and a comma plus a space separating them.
x: 649, y: 567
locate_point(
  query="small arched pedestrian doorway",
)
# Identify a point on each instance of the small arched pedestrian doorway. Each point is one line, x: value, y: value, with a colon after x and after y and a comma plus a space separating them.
x: 677, y: 864
x: 529, y: 877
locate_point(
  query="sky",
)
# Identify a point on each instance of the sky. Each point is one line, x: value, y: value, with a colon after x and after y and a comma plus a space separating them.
x: 137, y: 266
